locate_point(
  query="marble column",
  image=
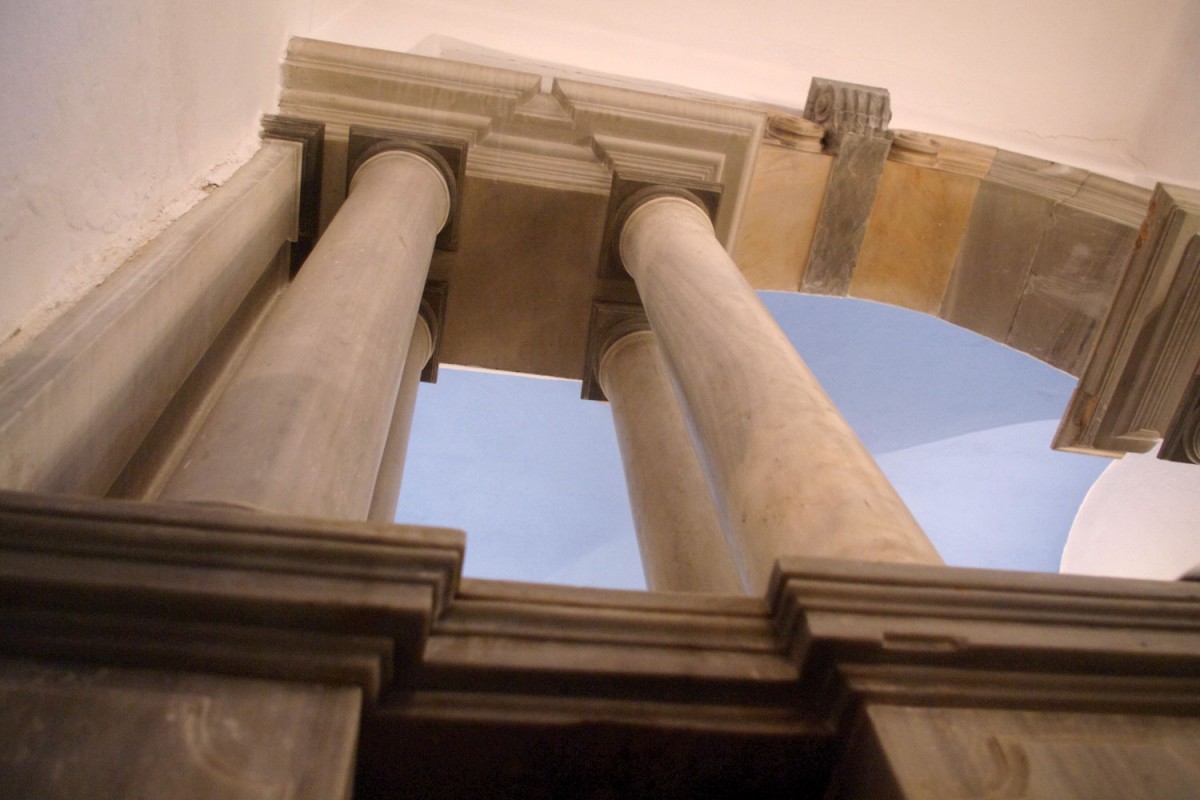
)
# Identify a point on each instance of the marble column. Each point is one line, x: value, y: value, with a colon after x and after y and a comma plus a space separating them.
x: 788, y: 474
x: 301, y: 427
x: 391, y: 466
x: 679, y: 534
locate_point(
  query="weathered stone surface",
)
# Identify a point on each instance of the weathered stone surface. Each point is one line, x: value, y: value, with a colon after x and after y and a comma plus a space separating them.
x: 999, y: 243
x: 301, y: 426
x: 842, y: 223
x: 847, y: 108
x: 1041, y: 755
x: 1071, y: 284
x: 75, y: 731
x: 206, y: 589
x: 913, y: 236
x: 521, y: 284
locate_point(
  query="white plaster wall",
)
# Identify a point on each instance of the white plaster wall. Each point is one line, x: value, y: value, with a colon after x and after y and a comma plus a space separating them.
x: 115, y: 117
x: 1109, y: 85
x: 1139, y: 520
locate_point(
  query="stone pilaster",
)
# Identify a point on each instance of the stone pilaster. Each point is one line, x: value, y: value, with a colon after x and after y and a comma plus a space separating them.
x: 855, y: 119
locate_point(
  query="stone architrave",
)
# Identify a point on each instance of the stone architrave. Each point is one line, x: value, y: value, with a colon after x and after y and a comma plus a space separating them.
x: 679, y: 533
x: 301, y: 428
x: 788, y: 474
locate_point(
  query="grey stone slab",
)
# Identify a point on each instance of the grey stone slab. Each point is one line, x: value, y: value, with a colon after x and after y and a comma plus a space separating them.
x: 1036, y: 175
x: 1070, y: 288
x: 521, y: 284
x: 994, y: 259
x: 844, y: 214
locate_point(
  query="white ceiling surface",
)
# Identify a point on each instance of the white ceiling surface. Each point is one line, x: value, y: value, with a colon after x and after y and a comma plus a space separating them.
x: 1109, y: 85
x: 960, y: 424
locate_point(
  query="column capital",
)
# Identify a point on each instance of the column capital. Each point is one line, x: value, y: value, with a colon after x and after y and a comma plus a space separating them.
x: 609, y: 323
x: 448, y: 156
x: 630, y: 192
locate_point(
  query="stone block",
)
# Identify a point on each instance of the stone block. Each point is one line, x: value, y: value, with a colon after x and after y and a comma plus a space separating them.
x: 1071, y: 284
x: 999, y: 243
x: 780, y: 216
x: 913, y: 236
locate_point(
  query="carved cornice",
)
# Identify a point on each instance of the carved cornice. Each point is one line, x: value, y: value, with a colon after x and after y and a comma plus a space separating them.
x: 1135, y: 383
x: 220, y: 590
x: 987, y: 639
x: 572, y: 137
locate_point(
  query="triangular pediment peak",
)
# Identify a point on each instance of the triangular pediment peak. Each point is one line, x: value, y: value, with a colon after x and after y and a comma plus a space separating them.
x: 544, y: 108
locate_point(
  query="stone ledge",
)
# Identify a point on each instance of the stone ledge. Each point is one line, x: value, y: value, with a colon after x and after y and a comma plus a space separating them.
x: 220, y: 590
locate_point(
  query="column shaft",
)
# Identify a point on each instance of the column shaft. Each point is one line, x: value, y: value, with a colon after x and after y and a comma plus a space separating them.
x: 391, y: 465
x: 789, y: 475
x: 301, y: 427
x: 679, y: 534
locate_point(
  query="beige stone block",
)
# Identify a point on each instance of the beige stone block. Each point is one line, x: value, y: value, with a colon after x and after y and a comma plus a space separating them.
x: 780, y: 216
x: 913, y: 237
